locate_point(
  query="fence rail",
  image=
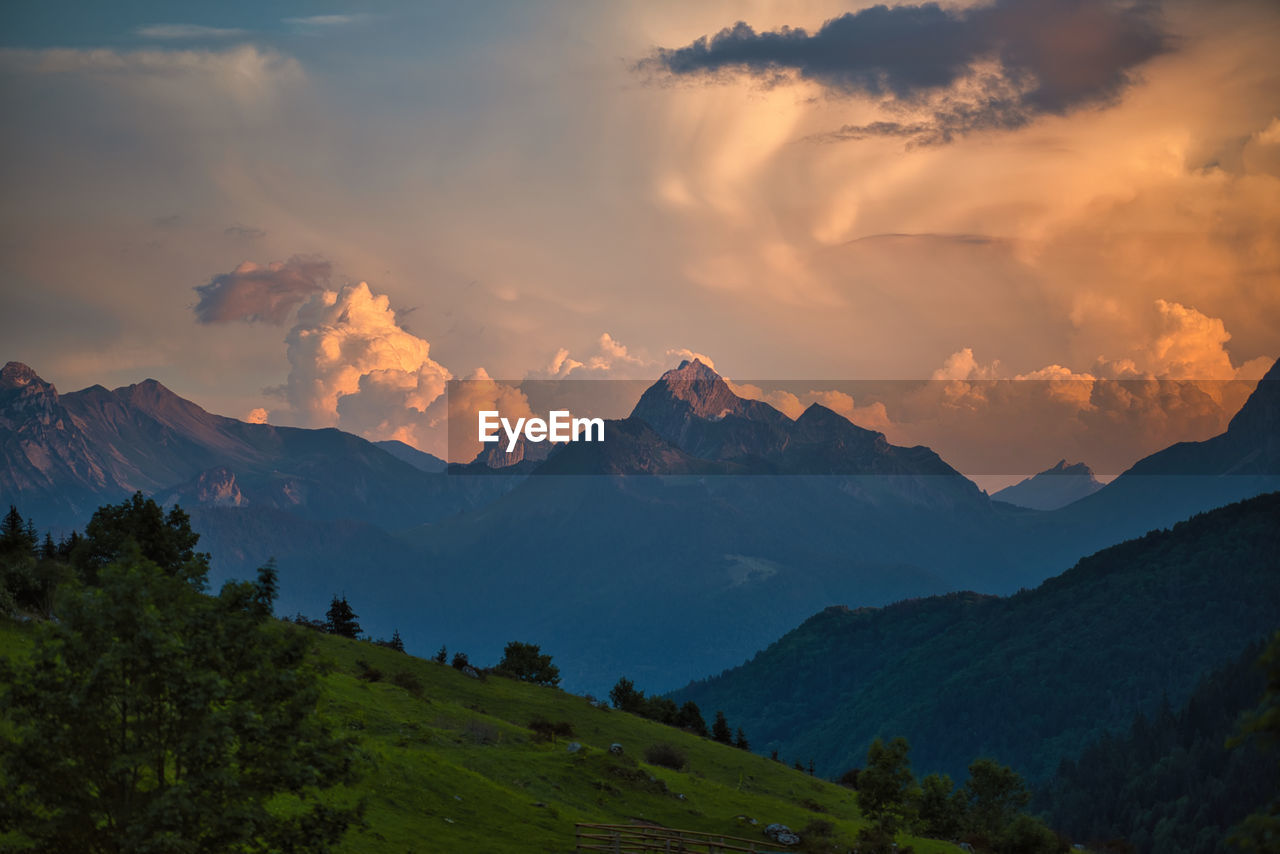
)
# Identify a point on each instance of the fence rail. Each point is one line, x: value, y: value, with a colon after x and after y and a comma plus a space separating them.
x: 643, y: 838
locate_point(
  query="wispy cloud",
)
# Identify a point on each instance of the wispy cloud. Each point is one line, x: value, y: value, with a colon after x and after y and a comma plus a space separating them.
x: 315, y: 22
x: 188, y: 32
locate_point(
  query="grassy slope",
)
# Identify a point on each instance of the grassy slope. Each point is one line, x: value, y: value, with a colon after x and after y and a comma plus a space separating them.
x: 455, y: 769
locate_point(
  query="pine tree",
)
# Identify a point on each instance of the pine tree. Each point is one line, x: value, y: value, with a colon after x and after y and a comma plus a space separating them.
x: 267, y: 586
x: 341, y: 620
x: 442, y: 654
x: 690, y: 717
x: 396, y: 642
x: 740, y: 742
x: 720, y: 729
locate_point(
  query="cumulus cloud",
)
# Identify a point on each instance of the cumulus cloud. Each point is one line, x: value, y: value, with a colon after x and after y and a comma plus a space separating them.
x: 253, y: 293
x: 257, y: 415
x: 467, y: 398
x: 348, y: 347
x: 1179, y: 383
x: 983, y: 67
x: 608, y: 359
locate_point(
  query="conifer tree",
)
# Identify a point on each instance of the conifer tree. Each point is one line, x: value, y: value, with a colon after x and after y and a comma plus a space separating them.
x: 720, y: 729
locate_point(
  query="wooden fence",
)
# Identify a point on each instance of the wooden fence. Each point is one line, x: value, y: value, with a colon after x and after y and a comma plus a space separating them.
x: 627, y: 838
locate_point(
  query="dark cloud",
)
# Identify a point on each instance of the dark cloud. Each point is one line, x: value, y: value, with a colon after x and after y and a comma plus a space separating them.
x: 995, y: 66
x: 252, y: 293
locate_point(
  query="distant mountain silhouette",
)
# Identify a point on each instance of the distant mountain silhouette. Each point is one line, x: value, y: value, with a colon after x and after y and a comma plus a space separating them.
x: 1052, y: 488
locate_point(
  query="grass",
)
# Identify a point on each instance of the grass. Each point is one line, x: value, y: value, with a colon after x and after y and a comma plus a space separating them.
x: 450, y: 765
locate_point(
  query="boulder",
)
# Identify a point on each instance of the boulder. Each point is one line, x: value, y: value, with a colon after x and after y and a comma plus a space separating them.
x: 615, y: 749
x: 782, y: 834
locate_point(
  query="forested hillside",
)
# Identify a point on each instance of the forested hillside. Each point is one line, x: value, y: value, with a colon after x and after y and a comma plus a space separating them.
x: 1025, y: 679
x: 1172, y: 782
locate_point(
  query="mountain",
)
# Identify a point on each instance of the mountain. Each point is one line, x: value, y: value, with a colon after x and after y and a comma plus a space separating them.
x: 1052, y: 488
x: 700, y: 529
x: 66, y: 454
x: 1028, y: 679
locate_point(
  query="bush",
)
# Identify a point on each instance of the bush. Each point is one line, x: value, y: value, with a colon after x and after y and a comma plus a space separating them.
x: 545, y: 730
x: 665, y: 755
x: 408, y: 681
x: 367, y: 671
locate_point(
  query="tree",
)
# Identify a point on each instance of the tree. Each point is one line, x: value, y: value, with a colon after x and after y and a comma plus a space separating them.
x: 150, y: 717
x: 942, y: 807
x: 995, y: 794
x: 720, y: 729
x: 341, y: 620
x: 396, y: 642
x: 690, y: 717
x: 886, y: 786
x: 267, y: 587
x: 740, y: 742
x: 442, y: 655
x: 165, y: 540
x: 525, y: 661
x: 624, y: 696
x: 460, y: 661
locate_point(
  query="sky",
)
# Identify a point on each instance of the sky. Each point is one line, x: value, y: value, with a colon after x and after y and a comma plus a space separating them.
x: 317, y: 214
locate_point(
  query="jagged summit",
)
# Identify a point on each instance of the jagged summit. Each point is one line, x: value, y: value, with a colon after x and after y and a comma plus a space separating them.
x: 706, y: 392
x: 1064, y: 467
x: 1057, y: 486
x: 18, y: 375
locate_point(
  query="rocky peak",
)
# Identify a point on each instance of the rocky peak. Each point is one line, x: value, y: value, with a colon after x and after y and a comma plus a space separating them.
x: 18, y: 375
x: 697, y: 385
x: 1064, y: 467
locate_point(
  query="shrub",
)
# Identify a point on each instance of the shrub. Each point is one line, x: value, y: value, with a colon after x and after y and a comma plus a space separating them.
x: 665, y: 755
x: 408, y: 681
x: 367, y: 671
x: 545, y: 730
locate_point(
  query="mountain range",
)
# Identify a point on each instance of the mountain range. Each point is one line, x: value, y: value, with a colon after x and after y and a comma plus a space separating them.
x: 711, y: 524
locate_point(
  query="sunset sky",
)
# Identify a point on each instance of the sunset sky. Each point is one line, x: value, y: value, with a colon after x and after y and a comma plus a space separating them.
x: 798, y: 190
